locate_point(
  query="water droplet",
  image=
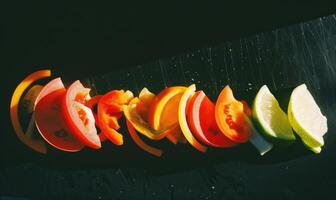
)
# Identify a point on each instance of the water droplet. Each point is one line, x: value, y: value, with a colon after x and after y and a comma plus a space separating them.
x: 213, y: 187
x: 249, y: 84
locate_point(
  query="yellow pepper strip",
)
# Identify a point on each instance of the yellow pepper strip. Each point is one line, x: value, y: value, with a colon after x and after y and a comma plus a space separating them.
x: 38, y: 146
x: 142, y: 126
x: 141, y: 143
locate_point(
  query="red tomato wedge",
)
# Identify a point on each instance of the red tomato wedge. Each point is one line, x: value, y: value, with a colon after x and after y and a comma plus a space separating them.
x: 230, y: 117
x: 50, y: 123
x: 49, y: 120
x: 78, y: 117
x: 110, y: 111
x: 52, y: 86
x: 201, y: 120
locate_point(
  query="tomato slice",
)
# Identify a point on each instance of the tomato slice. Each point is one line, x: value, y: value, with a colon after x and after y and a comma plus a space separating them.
x: 109, y: 112
x: 231, y: 117
x: 50, y: 123
x: 201, y: 120
x: 78, y: 117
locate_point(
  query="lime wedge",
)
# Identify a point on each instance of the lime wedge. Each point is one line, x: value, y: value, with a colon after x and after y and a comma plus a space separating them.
x: 306, y: 118
x: 271, y: 119
x: 315, y: 149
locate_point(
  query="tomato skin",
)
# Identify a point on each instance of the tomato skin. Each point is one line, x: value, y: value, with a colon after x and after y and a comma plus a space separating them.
x: 201, y: 120
x: 230, y: 117
x: 50, y: 123
x: 77, y: 95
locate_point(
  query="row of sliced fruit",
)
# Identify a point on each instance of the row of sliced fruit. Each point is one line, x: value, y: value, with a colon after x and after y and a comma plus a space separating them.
x: 70, y: 119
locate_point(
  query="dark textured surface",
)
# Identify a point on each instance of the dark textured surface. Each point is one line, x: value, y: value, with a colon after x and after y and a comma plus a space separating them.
x: 282, y: 59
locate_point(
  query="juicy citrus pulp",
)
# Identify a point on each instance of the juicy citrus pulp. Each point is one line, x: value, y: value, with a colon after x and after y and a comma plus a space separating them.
x: 271, y: 118
x: 306, y: 118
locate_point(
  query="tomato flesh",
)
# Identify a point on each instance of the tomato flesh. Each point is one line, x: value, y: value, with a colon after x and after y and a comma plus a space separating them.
x: 230, y: 117
x: 201, y: 119
x: 78, y: 117
x: 50, y: 123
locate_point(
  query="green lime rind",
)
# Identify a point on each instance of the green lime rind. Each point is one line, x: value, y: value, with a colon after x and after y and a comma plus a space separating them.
x: 314, y: 149
x: 312, y: 138
x: 270, y: 119
x: 269, y: 138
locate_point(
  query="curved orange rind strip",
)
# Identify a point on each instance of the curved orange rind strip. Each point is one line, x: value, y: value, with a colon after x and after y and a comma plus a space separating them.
x: 38, y: 146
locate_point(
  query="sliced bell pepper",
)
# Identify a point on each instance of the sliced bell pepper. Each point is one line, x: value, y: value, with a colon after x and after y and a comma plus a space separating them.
x: 131, y: 114
x: 109, y: 111
x: 141, y: 143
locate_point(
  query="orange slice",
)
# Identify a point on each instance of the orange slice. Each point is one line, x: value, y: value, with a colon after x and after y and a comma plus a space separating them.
x: 164, y: 109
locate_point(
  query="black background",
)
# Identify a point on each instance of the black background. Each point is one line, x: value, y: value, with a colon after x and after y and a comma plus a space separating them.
x: 81, y: 40
x: 74, y: 37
